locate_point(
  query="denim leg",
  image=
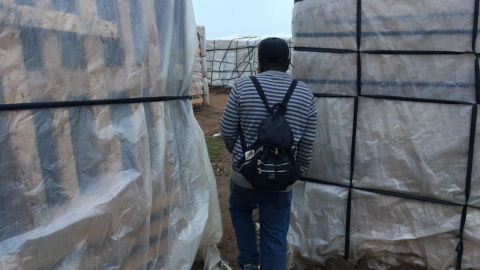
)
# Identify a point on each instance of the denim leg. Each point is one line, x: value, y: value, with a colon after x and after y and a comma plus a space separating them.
x: 274, y: 221
x: 242, y: 202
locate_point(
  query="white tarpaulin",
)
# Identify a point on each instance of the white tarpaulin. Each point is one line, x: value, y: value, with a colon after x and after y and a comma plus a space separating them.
x: 395, y: 177
x: 103, y: 165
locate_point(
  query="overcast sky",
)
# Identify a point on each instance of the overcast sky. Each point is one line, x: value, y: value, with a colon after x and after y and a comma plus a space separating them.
x: 251, y: 17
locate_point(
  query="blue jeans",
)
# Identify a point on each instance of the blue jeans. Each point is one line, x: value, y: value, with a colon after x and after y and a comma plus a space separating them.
x: 274, y: 213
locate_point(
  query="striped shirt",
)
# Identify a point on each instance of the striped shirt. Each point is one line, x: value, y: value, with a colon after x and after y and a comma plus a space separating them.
x: 245, y: 106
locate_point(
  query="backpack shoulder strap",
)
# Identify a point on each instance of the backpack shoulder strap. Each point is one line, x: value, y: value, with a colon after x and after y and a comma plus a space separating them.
x: 260, y: 92
x: 289, y: 93
x: 242, y: 137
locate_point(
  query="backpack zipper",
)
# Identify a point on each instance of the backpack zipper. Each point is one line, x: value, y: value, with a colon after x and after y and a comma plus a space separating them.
x: 259, y: 162
x: 269, y: 171
x: 250, y: 159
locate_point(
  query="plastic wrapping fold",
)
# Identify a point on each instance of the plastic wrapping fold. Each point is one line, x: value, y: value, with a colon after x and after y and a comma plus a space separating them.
x: 317, y: 224
x: 202, y: 39
x: 124, y: 186
x: 471, y: 234
x: 203, y: 50
x: 398, y: 230
x: 405, y: 120
x: 332, y: 145
x: 198, y: 89
x: 475, y: 184
x: 207, y: 88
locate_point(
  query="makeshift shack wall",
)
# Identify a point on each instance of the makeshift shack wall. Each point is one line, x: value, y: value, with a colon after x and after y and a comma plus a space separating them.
x: 103, y: 164
x: 395, y: 177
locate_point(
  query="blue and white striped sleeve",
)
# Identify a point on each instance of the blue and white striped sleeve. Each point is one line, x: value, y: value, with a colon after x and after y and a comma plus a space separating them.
x: 230, y: 120
x: 305, y: 145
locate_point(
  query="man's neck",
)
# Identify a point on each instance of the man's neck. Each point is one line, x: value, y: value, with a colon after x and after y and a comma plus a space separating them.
x: 279, y: 70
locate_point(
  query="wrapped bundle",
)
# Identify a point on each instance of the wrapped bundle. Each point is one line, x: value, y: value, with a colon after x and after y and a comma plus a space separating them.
x: 233, y: 57
x: 199, y: 88
x: 395, y: 177
x: 100, y: 167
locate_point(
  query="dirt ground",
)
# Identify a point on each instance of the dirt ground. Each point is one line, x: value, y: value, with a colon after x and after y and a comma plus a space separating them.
x: 209, y: 119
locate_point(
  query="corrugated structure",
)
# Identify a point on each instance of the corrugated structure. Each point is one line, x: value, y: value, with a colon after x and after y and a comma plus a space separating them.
x: 199, y: 88
x: 233, y: 57
x: 395, y: 177
x: 103, y: 164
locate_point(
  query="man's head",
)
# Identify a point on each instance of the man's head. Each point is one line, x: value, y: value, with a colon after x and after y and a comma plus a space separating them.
x: 273, y: 54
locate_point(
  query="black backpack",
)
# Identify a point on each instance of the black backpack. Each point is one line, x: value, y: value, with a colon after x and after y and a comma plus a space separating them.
x: 269, y: 163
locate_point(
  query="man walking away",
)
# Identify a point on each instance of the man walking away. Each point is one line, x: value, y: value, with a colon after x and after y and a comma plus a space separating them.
x: 244, y: 113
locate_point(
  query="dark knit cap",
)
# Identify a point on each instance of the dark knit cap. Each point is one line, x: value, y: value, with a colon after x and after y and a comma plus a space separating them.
x: 273, y: 50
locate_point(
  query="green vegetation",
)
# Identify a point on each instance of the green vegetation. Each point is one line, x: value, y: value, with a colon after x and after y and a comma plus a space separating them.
x: 214, y: 146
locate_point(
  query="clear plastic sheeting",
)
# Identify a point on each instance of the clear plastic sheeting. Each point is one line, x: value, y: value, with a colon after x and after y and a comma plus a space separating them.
x: 327, y: 73
x: 331, y: 25
x: 114, y: 186
x: 420, y: 76
x: 331, y: 150
x: 400, y: 230
x: 472, y: 239
x: 435, y: 25
x: 475, y: 185
x: 317, y: 227
x: 230, y: 58
x: 397, y: 142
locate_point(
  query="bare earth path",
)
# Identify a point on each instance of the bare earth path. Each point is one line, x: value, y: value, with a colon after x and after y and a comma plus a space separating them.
x: 209, y: 120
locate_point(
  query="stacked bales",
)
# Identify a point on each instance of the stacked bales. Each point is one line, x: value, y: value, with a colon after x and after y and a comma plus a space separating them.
x: 199, y: 87
x: 233, y: 57
x: 395, y: 177
x: 100, y: 162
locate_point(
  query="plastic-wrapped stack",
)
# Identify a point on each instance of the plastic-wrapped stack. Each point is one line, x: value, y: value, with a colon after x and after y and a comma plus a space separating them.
x: 102, y: 164
x: 395, y: 177
x: 233, y: 57
x: 199, y: 88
